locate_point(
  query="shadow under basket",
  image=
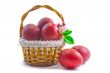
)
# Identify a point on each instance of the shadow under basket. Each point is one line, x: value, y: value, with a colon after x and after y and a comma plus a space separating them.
x: 41, y: 53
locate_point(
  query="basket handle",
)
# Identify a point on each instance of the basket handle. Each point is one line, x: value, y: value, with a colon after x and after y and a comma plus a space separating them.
x: 35, y: 8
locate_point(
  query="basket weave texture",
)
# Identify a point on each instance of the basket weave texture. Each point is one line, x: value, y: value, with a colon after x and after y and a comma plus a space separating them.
x: 41, y: 56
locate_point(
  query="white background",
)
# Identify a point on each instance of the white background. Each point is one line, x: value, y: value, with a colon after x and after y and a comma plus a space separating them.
x: 89, y: 20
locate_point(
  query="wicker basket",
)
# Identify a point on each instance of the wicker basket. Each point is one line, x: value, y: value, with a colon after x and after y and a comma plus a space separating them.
x: 41, y: 53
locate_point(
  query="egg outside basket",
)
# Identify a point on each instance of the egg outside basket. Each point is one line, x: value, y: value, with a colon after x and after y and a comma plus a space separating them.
x: 41, y: 53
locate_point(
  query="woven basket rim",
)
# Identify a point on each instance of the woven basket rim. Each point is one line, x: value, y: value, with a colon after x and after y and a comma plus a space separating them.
x: 40, y: 43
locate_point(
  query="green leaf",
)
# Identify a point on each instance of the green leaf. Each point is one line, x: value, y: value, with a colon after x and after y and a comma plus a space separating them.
x: 69, y: 40
x: 67, y: 32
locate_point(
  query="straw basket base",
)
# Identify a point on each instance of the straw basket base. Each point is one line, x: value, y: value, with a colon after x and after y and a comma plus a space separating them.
x: 41, y: 56
x: 40, y: 64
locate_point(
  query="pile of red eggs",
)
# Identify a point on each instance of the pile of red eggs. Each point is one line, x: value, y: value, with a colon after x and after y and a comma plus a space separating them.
x: 47, y: 30
x: 72, y: 58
